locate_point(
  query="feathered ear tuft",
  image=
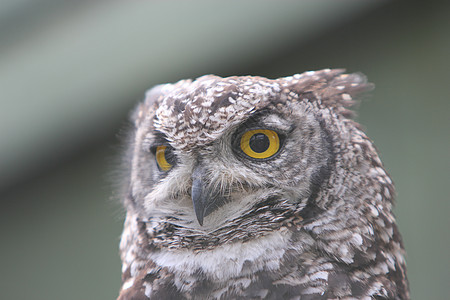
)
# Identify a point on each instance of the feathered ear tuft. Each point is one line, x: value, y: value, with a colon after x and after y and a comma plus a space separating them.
x: 332, y: 88
x: 343, y: 91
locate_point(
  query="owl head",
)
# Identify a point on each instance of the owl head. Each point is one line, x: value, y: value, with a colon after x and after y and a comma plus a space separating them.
x: 226, y: 161
x: 208, y: 153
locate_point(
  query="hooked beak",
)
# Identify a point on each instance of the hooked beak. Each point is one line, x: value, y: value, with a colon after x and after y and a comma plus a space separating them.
x: 204, y: 198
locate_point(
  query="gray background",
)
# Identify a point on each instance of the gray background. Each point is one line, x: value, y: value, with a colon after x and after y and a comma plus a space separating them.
x: 70, y: 71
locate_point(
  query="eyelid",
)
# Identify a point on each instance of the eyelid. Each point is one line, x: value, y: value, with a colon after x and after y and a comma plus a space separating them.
x: 155, y: 146
x: 285, y: 130
x: 269, y: 120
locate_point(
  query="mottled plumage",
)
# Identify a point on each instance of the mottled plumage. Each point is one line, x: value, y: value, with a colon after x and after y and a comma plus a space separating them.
x: 246, y: 187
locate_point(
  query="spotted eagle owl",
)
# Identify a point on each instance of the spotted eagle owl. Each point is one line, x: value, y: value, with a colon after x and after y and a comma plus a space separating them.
x: 246, y: 187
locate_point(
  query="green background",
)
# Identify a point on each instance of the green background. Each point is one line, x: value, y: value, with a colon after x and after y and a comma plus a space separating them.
x: 70, y: 72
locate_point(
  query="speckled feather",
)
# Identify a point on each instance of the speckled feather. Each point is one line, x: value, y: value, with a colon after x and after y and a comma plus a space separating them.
x: 313, y: 222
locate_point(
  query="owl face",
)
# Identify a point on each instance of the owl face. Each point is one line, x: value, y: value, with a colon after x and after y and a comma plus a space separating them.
x: 204, y: 156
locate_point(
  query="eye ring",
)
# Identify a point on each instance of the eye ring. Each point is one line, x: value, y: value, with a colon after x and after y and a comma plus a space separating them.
x: 260, y: 143
x: 163, y: 157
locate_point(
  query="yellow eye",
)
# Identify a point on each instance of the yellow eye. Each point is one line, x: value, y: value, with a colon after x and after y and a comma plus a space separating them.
x: 162, y: 158
x: 260, y: 143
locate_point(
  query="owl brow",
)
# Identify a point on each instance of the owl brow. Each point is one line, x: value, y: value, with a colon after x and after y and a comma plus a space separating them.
x: 158, y: 139
x: 254, y: 120
x: 258, y: 121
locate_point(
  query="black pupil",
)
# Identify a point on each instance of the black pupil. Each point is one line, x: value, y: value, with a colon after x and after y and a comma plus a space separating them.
x: 259, y: 142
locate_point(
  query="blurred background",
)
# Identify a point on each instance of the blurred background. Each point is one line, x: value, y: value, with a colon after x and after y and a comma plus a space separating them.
x: 70, y: 72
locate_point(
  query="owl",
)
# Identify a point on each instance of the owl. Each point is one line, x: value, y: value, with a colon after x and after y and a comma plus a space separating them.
x: 252, y: 188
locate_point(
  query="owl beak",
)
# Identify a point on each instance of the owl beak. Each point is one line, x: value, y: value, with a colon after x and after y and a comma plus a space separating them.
x: 204, y: 196
x: 199, y: 197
